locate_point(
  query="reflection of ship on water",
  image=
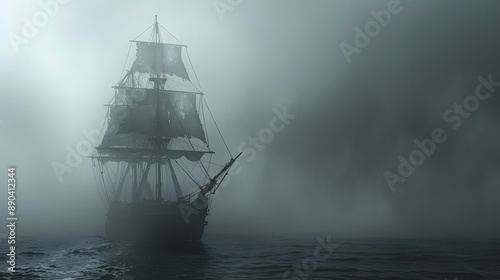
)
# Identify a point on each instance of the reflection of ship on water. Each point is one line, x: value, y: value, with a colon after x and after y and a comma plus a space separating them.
x: 154, y: 163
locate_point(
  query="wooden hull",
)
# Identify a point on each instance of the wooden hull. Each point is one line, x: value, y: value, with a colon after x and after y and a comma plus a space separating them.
x: 157, y: 221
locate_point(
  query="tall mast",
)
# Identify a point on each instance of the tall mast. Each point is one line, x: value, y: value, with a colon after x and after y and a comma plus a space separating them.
x: 157, y: 30
x: 157, y: 86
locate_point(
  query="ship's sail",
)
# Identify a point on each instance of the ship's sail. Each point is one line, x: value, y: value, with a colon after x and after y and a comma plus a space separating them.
x: 112, y: 138
x: 164, y: 113
x: 159, y: 58
x: 133, y: 121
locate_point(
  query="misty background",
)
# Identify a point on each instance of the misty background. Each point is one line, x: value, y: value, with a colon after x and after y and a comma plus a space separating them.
x: 324, y: 171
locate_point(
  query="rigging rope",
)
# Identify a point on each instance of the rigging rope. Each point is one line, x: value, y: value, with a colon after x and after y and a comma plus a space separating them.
x: 144, y: 31
x: 101, y: 194
x: 194, y: 71
x: 188, y: 174
x: 170, y: 34
x: 126, y: 60
x: 213, y: 119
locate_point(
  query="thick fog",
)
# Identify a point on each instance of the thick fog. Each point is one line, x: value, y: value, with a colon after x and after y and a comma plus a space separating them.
x: 342, y: 110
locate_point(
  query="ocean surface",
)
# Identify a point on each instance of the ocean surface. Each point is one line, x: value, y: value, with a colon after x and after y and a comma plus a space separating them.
x: 220, y: 257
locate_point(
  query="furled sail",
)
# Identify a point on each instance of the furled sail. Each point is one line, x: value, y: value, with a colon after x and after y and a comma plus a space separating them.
x: 159, y: 58
x: 176, y: 117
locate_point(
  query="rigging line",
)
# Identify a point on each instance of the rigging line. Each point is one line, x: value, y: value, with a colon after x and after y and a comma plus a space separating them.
x: 101, y: 190
x: 218, y: 165
x: 175, y: 113
x: 118, y: 176
x: 152, y: 38
x: 184, y: 141
x: 103, y: 175
x: 101, y: 195
x: 189, y: 195
x: 183, y: 145
x: 109, y: 102
x: 194, y: 71
x: 115, y: 177
x: 197, y: 146
x: 144, y: 185
x: 159, y: 35
x: 184, y: 178
x: 102, y: 128
x: 102, y: 185
x: 205, y: 123
x: 196, y: 182
x: 217, y: 170
x: 170, y: 34
x: 179, y: 83
x: 110, y: 183
x: 205, y: 178
x: 188, y: 174
x: 179, y: 144
x: 112, y: 187
x: 206, y: 132
x: 213, y: 119
x: 196, y: 190
x: 137, y: 184
x: 126, y: 60
x: 101, y: 166
x: 190, y: 171
x: 218, y: 185
x: 210, y: 161
x: 195, y: 85
x: 111, y: 171
x: 144, y: 32
x: 214, y: 172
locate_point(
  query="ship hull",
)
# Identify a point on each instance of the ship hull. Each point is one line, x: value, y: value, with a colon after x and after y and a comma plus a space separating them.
x: 157, y: 221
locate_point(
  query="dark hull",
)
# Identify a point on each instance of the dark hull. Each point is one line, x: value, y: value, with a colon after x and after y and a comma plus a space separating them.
x: 157, y: 221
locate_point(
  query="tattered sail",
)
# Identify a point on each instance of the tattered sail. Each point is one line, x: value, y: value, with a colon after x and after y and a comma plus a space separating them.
x: 176, y: 117
x: 132, y: 123
x: 117, y: 112
x: 159, y: 58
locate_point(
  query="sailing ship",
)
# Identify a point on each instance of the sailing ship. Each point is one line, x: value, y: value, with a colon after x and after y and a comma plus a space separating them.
x: 154, y: 166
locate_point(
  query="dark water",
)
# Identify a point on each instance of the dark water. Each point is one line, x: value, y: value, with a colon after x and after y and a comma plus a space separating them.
x: 251, y: 258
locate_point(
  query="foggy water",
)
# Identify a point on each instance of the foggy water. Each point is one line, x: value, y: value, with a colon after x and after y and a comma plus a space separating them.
x: 220, y: 257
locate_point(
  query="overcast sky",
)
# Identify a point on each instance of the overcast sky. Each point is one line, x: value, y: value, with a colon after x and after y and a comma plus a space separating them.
x: 325, y: 170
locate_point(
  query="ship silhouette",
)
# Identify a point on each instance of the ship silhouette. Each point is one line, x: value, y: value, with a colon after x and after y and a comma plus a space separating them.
x: 153, y: 165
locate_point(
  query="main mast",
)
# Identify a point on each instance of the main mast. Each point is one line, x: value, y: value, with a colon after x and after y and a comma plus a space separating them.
x: 159, y: 84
